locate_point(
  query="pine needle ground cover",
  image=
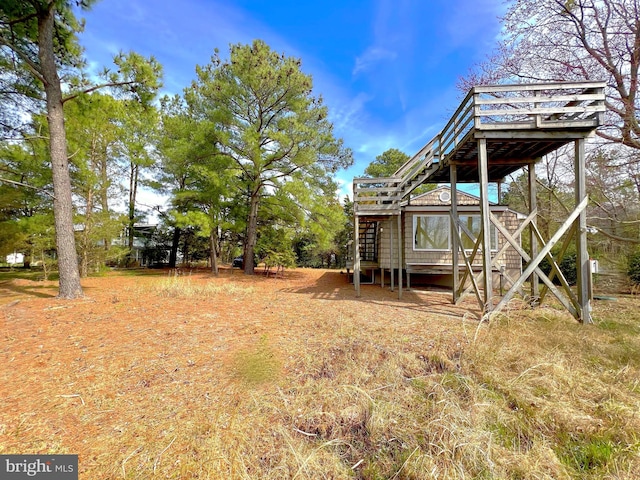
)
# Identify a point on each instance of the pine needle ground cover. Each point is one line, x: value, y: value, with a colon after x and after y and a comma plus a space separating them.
x: 153, y: 376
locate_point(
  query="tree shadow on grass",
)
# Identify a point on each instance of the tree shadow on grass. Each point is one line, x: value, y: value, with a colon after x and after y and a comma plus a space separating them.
x: 337, y: 286
x: 9, y: 288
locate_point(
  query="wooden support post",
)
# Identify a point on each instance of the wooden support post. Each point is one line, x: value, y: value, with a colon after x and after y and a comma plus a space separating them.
x: 582, y: 260
x: 483, y: 173
x: 400, y: 246
x: 533, y: 241
x: 356, y: 254
x: 455, y: 249
x: 546, y: 249
x: 391, y: 253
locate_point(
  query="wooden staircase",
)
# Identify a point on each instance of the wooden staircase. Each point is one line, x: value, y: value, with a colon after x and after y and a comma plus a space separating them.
x: 368, y: 233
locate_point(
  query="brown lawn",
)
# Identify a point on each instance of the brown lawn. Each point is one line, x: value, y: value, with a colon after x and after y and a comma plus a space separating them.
x: 158, y: 376
x: 112, y: 376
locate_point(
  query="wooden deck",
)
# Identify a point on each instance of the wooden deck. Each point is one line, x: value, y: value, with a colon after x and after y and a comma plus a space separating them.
x: 520, y: 124
x: 496, y: 131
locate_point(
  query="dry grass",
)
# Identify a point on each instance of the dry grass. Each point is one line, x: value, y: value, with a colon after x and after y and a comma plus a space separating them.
x: 289, y: 381
x: 184, y: 287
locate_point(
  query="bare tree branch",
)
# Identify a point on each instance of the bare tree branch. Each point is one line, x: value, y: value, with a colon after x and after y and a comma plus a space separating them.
x: 20, y: 184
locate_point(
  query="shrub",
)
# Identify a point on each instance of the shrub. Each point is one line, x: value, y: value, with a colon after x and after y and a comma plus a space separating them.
x: 567, y: 267
x: 633, y: 267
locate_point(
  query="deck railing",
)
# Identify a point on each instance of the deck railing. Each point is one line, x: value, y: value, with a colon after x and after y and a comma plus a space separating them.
x: 545, y: 106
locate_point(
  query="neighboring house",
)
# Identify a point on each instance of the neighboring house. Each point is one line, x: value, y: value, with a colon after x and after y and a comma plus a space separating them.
x: 427, y: 242
x: 146, y: 250
x: 15, y: 258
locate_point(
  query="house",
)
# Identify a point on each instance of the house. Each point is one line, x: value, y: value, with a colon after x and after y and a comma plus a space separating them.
x: 427, y: 239
x: 15, y: 258
x: 496, y: 131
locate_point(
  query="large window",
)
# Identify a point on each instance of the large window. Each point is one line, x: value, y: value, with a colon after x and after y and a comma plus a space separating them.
x: 473, y: 224
x: 433, y: 232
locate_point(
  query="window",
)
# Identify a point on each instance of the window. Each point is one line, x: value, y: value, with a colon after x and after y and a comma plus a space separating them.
x: 445, y: 196
x: 473, y: 224
x: 433, y: 232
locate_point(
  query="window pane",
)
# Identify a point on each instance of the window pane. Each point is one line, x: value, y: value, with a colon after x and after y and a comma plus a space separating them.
x: 472, y: 222
x: 431, y: 232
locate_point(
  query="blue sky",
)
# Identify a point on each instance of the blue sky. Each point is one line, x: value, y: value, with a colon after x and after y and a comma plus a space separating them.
x: 387, y: 69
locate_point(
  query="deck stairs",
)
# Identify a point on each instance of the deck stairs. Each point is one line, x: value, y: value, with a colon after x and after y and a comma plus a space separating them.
x: 368, y: 233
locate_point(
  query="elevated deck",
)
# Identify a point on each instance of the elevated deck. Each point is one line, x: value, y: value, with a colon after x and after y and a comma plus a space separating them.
x: 496, y: 131
x: 520, y: 124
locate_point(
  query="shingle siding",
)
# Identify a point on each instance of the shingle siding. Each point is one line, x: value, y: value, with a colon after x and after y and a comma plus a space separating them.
x: 510, y: 258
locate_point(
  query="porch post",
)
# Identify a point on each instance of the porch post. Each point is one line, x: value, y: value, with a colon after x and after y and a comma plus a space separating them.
x: 356, y: 254
x: 582, y: 260
x: 391, y: 253
x: 400, y: 247
x: 455, y: 249
x: 483, y: 173
x: 533, y: 240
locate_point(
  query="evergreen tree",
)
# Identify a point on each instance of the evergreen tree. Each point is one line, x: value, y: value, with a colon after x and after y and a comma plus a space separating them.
x: 267, y: 123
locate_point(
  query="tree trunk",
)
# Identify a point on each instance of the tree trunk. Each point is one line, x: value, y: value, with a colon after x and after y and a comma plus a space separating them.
x: 45, y: 266
x: 185, y: 251
x: 173, y: 255
x: 26, y: 262
x: 85, y: 244
x: 104, y: 191
x: 252, y: 233
x: 133, y: 192
x: 69, y: 284
x: 214, y: 251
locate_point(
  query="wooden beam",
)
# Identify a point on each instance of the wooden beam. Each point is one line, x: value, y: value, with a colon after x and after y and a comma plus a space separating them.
x: 528, y: 87
x: 468, y: 271
x: 555, y: 268
x: 391, y: 253
x: 356, y: 254
x: 542, y: 253
x: 533, y: 208
x: 526, y: 132
x: 483, y: 172
x: 582, y: 260
x: 539, y: 273
x: 400, y: 247
x: 455, y: 259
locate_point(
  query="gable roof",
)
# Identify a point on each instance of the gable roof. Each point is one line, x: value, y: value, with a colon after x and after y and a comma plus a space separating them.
x: 435, y: 197
x: 432, y: 200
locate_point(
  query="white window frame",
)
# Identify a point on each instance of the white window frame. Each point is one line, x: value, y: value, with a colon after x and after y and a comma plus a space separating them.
x: 415, y: 224
x: 492, y: 229
x: 494, y: 233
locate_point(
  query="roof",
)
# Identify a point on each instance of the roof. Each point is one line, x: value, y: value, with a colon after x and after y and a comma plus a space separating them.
x: 434, y: 200
x: 436, y: 197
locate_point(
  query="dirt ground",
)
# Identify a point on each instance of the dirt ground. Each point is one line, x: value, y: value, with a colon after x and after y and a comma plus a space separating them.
x: 87, y: 376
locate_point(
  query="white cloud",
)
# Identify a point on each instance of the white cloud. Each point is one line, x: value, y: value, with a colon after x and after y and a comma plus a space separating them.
x: 348, y: 115
x: 371, y: 57
x: 345, y: 188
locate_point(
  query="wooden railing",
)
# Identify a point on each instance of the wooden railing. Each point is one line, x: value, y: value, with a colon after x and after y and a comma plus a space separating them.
x: 377, y: 194
x: 545, y: 106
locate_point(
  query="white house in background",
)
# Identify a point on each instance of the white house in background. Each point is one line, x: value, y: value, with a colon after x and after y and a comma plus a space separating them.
x: 15, y: 258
